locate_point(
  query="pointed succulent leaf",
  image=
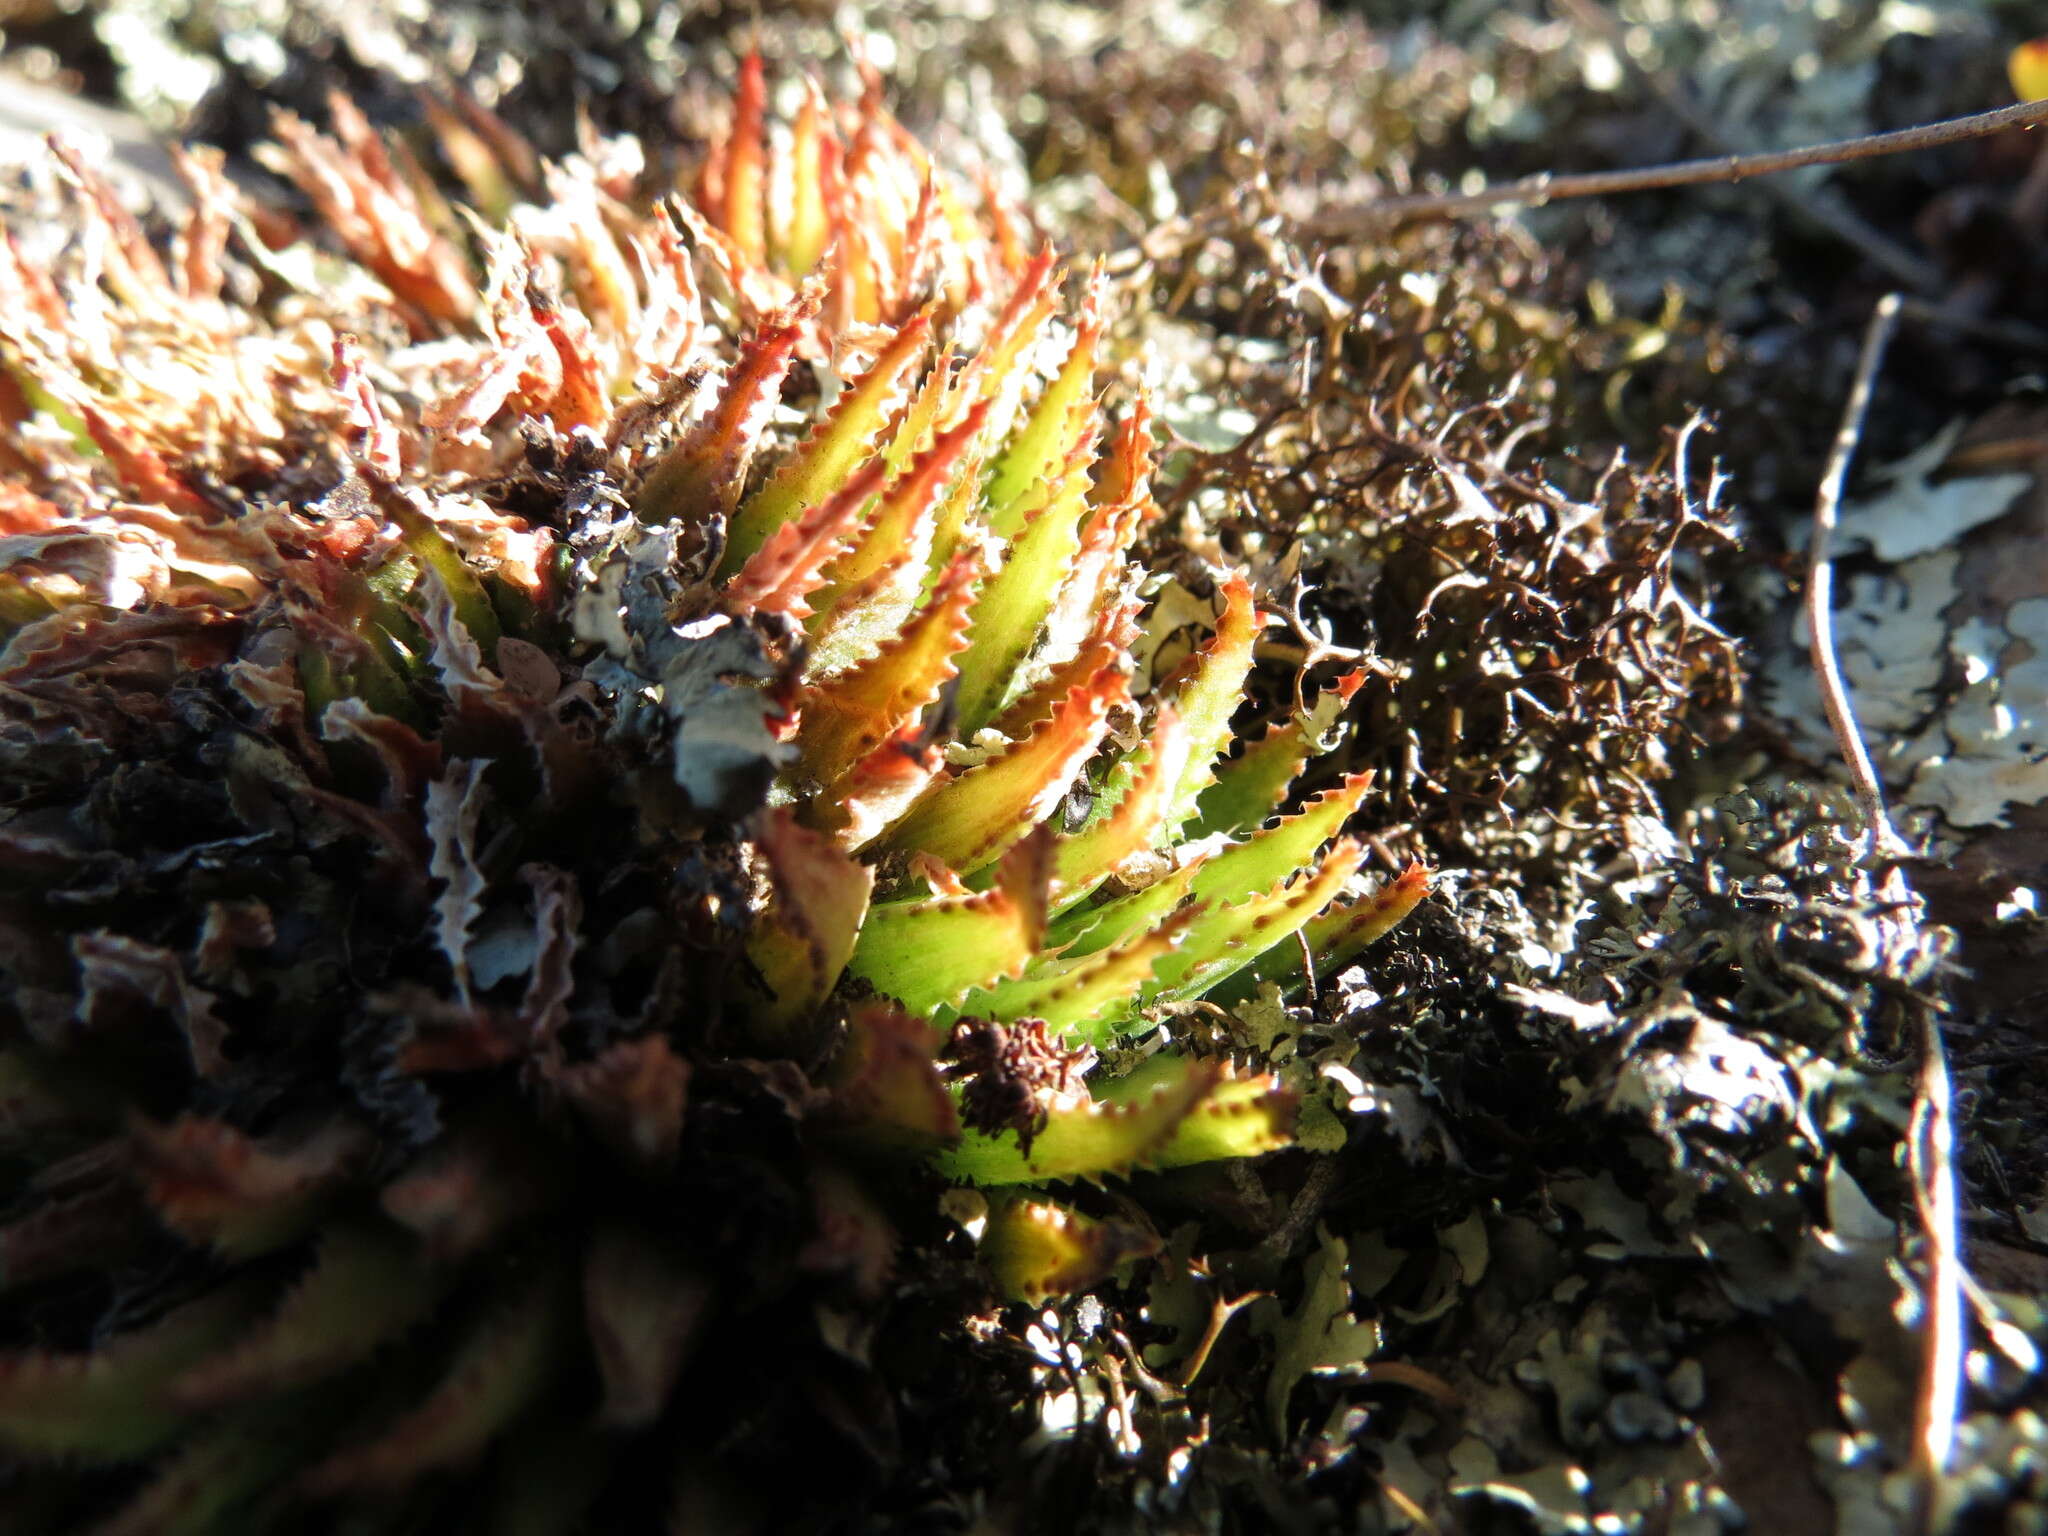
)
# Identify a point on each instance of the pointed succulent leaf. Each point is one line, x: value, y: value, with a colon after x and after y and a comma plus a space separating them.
x: 430, y: 546
x: 745, y: 210
x: 877, y: 789
x: 1207, y: 689
x: 819, y: 897
x: 999, y: 372
x: 1039, y: 1248
x: 829, y: 456
x: 1073, y: 994
x: 781, y: 575
x: 367, y: 1286
x: 212, y: 1184
x: 703, y: 473
x: 886, y: 1088
x: 1087, y: 930
x: 1137, y: 790
x: 1276, y: 852
x: 1225, y: 939
x: 848, y: 716
x: 1060, y: 428
x: 504, y: 1363
x: 1252, y: 786
x: 870, y: 589
x: 1335, y: 937
x: 927, y: 953
x: 1104, y: 647
x: 644, y: 1305
x: 813, y: 156
x: 1089, y: 1138
x: 1017, y: 599
x: 112, y: 1403
x: 1240, y: 1117
x: 969, y: 818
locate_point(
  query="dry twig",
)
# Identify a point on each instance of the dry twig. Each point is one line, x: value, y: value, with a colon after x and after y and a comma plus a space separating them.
x: 1931, y: 1139
x: 1820, y: 619
x: 1351, y: 219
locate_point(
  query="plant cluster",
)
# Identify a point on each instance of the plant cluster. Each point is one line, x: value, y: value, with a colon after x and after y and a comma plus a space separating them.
x: 674, y: 813
x: 485, y: 853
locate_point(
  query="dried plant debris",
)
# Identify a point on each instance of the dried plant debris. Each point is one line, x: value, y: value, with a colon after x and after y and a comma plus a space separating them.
x: 702, y: 831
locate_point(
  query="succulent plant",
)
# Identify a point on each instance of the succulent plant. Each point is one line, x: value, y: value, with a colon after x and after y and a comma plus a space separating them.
x: 493, y: 876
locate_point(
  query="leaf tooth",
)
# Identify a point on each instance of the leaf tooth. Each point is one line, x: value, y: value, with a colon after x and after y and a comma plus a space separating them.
x: 970, y: 818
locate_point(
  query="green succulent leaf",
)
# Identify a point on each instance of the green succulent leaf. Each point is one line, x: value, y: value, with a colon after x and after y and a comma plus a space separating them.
x: 1040, y: 1248
x: 1254, y: 784
x: 1017, y: 599
x: 1056, y: 433
x: 927, y: 953
x: 500, y: 1367
x: 1335, y: 937
x: 1154, y: 1120
x: 114, y: 1403
x: 828, y: 458
x: 970, y: 818
x: 1207, y: 690
x: 368, y: 1285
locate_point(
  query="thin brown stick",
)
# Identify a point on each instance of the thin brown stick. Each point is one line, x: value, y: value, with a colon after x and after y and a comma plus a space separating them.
x: 1534, y: 191
x: 1820, y: 619
x: 1931, y: 1157
x: 1819, y: 206
x: 1930, y: 1142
